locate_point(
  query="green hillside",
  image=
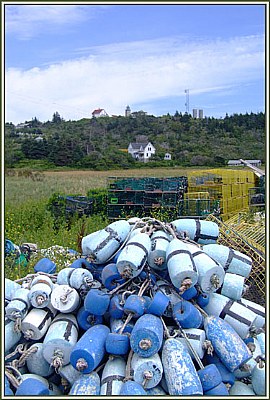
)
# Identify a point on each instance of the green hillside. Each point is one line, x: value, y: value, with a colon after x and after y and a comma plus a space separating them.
x: 101, y: 143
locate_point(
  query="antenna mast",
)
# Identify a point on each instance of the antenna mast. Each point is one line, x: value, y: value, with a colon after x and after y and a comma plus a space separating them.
x: 187, y: 100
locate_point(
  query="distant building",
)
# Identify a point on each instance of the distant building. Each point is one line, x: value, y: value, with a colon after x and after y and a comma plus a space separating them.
x: 167, y: 156
x: 200, y: 113
x: 99, y: 112
x: 238, y: 163
x: 195, y: 113
x: 141, y: 151
x: 127, y: 111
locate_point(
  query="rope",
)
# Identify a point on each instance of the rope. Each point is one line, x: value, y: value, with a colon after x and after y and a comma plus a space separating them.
x: 129, y: 317
x: 186, y: 284
x: 81, y: 364
x: 10, y: 375
x: 159, y: 260
x: 17, y: 325
x: 40, y: 300
x: 200, y: 309
x: 215, y: 281
x: 145, y: 344
x: 207, y: 345
x: 19, y: 349
x: 25, y: 355
x: 148, y: 375
x: 29, y: 333
x: 128, y: 376
x: 57, y: 360
x: 64, y: 297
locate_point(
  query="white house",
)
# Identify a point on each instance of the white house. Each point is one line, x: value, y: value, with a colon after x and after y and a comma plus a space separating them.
x: 99, y: 112
x: 141, y: 151
x: 238, y: 163
x: 167, y: 156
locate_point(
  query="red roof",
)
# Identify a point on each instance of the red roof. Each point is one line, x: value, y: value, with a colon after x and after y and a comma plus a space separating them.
x: 98, y: 111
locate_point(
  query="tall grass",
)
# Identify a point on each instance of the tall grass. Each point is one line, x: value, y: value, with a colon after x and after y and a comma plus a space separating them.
x: 27, y: 219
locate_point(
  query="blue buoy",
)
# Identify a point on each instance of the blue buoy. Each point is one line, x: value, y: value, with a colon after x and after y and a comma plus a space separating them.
x: 241, y: 389
x: 202, y: 300
x: 116, y: 310
x: 117, y: 343
x: 90, y: 349
x: 45, y: 265
x: 32, y: 387
x: 187, y: 314
x: 158, y: 304
x: 209, y: 377
x: 189, y: 293
x: 111, y: 277
x: 86, y: 385
x: 229, y: 347
x: 226, y: 375
x: 131, y: 388
x: 147, y: 335
x: 134, y: 305
x: 258, y: 378
x: 96, y: 302
x: 219, y: 390
x: 85, y: 319
x: 180, y: 373
x: 80, y: 263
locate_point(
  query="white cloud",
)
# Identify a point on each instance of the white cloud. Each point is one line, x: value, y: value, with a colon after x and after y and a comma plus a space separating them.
x: 114, y: 75
x: 27, y: 21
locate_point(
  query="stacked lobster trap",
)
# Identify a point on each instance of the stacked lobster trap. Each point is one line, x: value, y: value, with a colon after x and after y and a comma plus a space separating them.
x: 147, y: 308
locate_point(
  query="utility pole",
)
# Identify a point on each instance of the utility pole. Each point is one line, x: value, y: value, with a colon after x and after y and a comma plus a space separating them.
x: 187, y: 100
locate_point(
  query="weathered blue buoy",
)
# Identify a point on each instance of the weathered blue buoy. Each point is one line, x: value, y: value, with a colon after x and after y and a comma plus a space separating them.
x: 85, y: 319
x: 180, y: 373
x: 231, y: 260
x: 258, y: 379
x: 241, y: 389
x: 80, y: 263
x: 257, y: 309
x: 134, y: 305
x: 209, y: 377
x: 230, y: 348
x: 237, y: 315
x: 111, y: 277
x: 116, y: 310
x: 147, y: 335
x: 158, y: 304
x: 131, y: 388
x: 45, y: 265
x: 181, y: 266
x: 134, y: 256
x: 96, y: 302
x: 10, y: 288
x: 219, y: 390
x: 202, y: 300
x: 102, y: 245
x: 90, y: 349
x: 200, y: 231
x: 155, y: 391
x: 189, y: 293
x: 113, y: 375
x: 226, y: 375
x: 147, y: 371
x: 117, y: 343
x: 69, y: 373
x: 187, y: 314
x: 36, y: 362
x: 19, y: 305
x: 86, y: 385
x: 32, y: 387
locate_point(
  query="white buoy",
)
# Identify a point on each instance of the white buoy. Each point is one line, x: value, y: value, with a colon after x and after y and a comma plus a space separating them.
x: 36, y: 323
x: 257, y: 309
x: 233, y: 286
x: 210, y: 272
x: 181, y: 266
x: 196, y: 337
x: 65, y: 299
x: 147, y: 371
x: 113, y: 376
x: 40, y: 291
x: 157, y: 255
x: 200, y: 231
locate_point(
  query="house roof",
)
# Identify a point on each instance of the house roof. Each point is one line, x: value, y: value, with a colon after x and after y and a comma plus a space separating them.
x: 97, y: 111
x: 138, y: 145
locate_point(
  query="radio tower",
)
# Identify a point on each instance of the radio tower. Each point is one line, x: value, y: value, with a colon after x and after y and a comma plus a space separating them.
x: 187, y: 100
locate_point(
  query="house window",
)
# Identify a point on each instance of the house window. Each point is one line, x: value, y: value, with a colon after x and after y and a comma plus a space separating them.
x: 146, y: 154
x: 149, y: 148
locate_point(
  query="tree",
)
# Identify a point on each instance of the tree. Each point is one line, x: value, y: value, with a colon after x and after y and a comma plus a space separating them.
x: 56, y: 119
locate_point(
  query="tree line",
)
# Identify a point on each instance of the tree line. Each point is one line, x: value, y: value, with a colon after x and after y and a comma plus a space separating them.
x: 101, y: 143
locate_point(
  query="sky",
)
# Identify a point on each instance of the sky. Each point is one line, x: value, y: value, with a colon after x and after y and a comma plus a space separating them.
x: 74, y: 58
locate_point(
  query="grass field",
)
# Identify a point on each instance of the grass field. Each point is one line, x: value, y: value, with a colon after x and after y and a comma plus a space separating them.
x: 28, y: 220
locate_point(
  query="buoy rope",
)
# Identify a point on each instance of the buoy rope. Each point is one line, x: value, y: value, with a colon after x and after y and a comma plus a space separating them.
x: 145, y: 344
x: 207, y: 345
x: 57, y: 360
x: 143, y: 287
x: 199, y: 308
x: 40, y: 299
x: 19, y: 349
x: 129, y: 317
x: 147, y: 375
x: 81, y: 364
x: 186, y: 284
x: 215, y: 281
x: 128, y: 375
x: 120, y: 287
x: 166, y: 330
x: 25, y: 355
x: 18, y: 324
x: 194, y: 352
x: 122, y: 301
x: 30, y: 277
x: 64, y: 297
x: 159, y: 260
x: 15, y: 381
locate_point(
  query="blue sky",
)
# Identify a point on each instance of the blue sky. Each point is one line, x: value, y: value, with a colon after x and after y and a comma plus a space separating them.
x: 73, y: 58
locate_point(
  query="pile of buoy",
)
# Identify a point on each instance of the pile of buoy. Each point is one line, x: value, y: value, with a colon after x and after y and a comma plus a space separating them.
x: 147, y: 308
